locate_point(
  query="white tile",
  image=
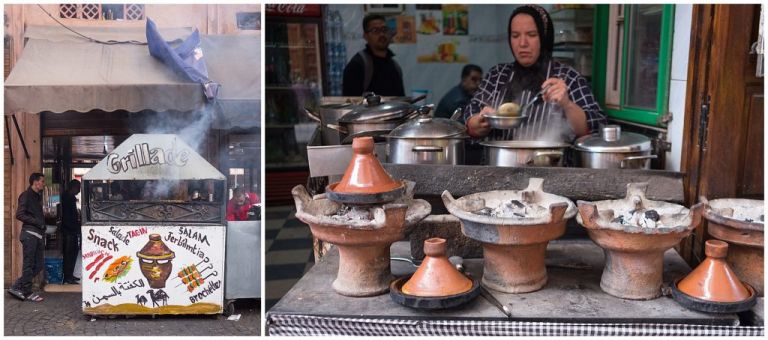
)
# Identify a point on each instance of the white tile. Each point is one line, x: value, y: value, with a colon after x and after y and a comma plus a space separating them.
x: 677, y: 98
x: 681, y: 41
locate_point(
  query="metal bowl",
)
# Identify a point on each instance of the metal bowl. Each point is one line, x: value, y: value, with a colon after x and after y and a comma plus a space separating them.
x: 505, y: 122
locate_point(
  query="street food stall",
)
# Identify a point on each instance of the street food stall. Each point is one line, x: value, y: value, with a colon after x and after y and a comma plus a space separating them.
x: 149, y: 245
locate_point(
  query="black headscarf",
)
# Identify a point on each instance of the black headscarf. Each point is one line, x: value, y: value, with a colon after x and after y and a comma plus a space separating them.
x: 530, y: 78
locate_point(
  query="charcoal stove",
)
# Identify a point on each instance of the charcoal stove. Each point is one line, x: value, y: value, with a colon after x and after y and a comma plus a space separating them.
x: 740, y: 222
x: 514, y: 227
x: 362, y: 217
x: 634, y: 233
x: 150, y: 245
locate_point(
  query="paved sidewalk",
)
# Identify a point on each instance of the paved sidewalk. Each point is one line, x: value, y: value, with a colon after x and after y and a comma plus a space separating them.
x: 60, y: 314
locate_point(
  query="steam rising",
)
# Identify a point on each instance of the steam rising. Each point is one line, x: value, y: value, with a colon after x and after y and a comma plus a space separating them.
x: 191, y: 127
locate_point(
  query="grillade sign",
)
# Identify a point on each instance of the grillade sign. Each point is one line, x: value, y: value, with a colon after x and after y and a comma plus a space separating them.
x: 143, y: 155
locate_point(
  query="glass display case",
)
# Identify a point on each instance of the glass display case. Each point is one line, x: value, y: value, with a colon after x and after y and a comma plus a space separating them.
x: 294, y: 79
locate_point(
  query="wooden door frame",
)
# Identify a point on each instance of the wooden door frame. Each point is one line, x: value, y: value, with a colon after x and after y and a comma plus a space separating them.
x: 717, y: 36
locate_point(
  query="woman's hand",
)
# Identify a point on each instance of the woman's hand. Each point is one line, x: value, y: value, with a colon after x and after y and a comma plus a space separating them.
x: 557, y: 92
x: 477, y: 125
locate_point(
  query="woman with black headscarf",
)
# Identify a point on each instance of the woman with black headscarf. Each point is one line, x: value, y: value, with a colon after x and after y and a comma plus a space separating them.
x: 569, y: 109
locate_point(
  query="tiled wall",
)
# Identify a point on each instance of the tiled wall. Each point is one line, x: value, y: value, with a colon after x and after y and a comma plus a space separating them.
x: 678, y: 80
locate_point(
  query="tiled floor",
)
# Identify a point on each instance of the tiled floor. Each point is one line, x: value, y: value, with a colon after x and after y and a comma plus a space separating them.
x: 289, y: 252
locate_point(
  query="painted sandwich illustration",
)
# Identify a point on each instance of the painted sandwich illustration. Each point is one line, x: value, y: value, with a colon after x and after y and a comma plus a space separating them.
x: 118, y: 268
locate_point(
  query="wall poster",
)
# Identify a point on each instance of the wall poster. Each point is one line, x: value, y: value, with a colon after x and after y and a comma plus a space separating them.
x: 442, y: 33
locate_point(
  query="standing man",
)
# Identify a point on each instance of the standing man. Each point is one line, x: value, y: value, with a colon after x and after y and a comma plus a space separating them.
x: 459, y: 96
x: 70, y: 228
x: 30, y: 213
x: 373, y: 69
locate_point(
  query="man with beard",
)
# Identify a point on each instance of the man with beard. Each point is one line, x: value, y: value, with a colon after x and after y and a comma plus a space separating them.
x: 373, y: 69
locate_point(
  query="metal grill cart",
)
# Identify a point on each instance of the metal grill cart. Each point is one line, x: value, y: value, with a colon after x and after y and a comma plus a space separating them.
x: 153, y: 230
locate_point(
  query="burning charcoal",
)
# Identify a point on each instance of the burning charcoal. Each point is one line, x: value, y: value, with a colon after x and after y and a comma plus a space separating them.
x: 517, y: 204
x: 484, y: 211
x: 343, y: 210
x: 652, y: 215
x: 647, y: 223
x: 619, y: 219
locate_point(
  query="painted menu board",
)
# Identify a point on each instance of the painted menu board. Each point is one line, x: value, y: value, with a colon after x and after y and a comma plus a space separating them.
x: 153, y: 269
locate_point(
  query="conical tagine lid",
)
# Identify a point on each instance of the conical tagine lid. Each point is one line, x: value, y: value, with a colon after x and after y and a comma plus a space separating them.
x: 713, y: 280
x: 365, y: 175
x: 155, y: 249
x: 436, y: 275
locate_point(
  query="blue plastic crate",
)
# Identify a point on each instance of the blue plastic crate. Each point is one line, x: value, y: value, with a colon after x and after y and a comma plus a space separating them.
x: 54, y: 270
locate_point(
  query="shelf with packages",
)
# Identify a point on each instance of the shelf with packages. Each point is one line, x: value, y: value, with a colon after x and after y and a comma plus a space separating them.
x: 305, y: 47
x: 579, y: 16
x: 572, y: 45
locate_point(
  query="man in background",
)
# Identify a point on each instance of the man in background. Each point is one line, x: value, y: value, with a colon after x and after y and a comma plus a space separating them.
x: 32, y: 237
x: 70, y: 229
x: 460, y: 95
x: 239, y: 205
x: 373, y: 69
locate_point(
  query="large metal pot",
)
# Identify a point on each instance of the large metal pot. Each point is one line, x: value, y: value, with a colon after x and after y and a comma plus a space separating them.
x: 375, y: 118
x: 524, y: 153
x: 330, y: 114
x: 427, y: 140
x: 612, y: 149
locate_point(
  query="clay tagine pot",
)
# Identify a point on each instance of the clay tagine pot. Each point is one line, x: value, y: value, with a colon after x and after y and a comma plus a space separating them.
x: 365, y: 181
x: 634, y: 233
x: 740, y: 223
x: 713, y: 286
x: 155, y: 261
x: 363, y: 235
x: 436, y: 275
x: 514, y: 227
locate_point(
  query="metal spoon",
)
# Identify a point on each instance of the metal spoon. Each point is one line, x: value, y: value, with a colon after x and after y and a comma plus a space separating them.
x: 459, y: 263
x: 535, y: 98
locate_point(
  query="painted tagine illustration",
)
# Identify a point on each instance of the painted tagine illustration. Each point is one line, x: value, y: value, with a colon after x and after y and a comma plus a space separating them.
x: 155, y: 261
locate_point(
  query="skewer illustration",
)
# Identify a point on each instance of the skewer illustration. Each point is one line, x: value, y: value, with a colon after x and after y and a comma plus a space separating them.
x: 193, y: 277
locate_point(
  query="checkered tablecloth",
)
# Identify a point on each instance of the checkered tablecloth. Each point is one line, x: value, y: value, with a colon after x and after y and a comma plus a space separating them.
x: 305, y: 325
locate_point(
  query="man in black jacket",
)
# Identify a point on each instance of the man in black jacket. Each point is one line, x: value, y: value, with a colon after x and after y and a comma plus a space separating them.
x: 70, y: 229
x: 32, y: 237
x: 373, y: 69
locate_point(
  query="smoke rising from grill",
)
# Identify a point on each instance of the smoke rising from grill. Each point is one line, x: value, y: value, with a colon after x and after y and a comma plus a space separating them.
x: 191, y: 127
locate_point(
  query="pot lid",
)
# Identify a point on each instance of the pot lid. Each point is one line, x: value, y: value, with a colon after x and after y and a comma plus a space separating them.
x: 611, y: 139
x: 436, y: 275
x: 155, y: 249
x: 429, y: 127
x: 524, y: 144
x: 365, y: 175
x: 713, y: 280
x: 376, y: 111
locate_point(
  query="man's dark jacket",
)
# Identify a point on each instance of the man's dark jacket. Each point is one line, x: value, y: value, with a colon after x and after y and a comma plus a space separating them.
x: 70, y: 224
x: 30, y: 211
x: 386, y: 80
